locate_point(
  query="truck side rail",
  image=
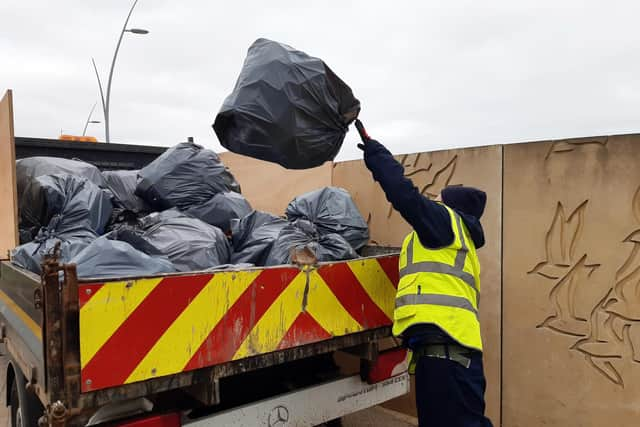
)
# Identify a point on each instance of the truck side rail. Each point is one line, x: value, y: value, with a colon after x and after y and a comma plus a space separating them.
x: 129, y: 337
x: 21, y: 322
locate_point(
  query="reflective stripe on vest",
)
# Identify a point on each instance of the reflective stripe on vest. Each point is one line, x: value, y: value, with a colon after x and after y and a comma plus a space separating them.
x: 436, y: 299
x: 457, y: 269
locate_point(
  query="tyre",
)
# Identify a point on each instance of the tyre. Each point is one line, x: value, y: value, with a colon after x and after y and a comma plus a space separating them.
x: 26, y: 408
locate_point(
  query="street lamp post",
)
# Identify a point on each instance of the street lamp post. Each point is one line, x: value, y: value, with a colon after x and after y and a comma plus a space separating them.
x: 84, y: 131
x: 105, y: 100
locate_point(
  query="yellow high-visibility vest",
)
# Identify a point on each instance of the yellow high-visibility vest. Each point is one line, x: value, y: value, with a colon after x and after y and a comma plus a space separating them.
x: 440, y: 286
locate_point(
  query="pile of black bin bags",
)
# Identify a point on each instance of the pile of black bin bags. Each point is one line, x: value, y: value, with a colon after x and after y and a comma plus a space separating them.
x: 182, y: 212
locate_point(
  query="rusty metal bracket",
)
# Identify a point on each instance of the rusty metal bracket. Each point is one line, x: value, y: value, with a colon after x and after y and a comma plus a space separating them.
x: 59, y: 302
x: 52, y: 328
x: 70, y: 335
x: 57, y: 414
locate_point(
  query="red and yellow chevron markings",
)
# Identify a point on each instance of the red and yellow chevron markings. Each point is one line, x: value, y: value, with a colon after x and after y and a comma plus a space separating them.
x: 145, y: 328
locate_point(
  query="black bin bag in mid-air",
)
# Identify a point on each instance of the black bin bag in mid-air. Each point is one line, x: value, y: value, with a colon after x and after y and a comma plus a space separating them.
x: 287, y: 107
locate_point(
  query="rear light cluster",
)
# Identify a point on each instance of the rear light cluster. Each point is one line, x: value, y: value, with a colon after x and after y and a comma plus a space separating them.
x: 164, y: 420
x: 388, y: 364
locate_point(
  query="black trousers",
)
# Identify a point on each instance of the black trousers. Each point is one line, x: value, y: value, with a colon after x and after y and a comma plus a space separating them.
x: 450, y: 395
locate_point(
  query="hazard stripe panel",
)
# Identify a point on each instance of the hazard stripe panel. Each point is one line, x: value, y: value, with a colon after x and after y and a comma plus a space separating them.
x: 353, y: 296
x: 124, y: 350
x: 175, y: 347
x: 89, y: 292
x: 136, y: 330
x: 303, y: 329
x: 107, y: 310
x: 232, y: 329
x: 390, y: 267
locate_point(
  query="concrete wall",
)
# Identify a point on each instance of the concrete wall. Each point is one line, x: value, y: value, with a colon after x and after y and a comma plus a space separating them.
x: 560, y: 307
x: 270, y: 187
x: 571, y: 336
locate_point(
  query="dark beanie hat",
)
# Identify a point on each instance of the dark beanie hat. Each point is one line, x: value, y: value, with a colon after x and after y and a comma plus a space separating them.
x: 468, y: 200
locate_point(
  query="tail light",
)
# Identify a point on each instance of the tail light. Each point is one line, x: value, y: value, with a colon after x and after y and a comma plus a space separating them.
x: 388, y: 364
x: 164, y: 420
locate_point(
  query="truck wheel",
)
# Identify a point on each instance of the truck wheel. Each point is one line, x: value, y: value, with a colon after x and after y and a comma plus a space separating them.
x: 26, y: 408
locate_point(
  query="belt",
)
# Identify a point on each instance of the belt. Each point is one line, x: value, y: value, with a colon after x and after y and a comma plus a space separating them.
x: 453, y: 352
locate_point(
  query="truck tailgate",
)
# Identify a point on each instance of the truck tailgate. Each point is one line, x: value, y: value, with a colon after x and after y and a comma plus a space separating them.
x: 139, y: 329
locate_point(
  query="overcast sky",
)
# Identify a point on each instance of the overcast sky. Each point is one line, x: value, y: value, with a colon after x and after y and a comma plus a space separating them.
x: 429, y: 74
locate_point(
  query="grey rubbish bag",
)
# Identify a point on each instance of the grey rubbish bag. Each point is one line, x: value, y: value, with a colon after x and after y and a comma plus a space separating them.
x: 122, y: 184
x: 253, y: 236
x: 127, y: 207
x: 184, y: 175
x: 79, y: 203
x: 221, y: 209
x: 303, y: 234
x: 31, y: 255
x: 189, y: 243
x: 104, y: 257
x: 287, y: 107
x: 30, y: 168
x: 332, y: 210
x: 65, y: 209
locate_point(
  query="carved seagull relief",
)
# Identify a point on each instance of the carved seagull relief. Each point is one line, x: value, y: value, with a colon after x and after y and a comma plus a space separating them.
x: 433, y: 185
x: 561, y: 265
x: 615, y: 321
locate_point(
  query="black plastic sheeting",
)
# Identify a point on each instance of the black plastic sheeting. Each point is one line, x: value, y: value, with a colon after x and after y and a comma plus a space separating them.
x: 221, y: 210
x: 332, y: 210
x: 104, y: 257
x: 124, y: 220
x: 30, y: 168
x: 287, y: 107
x: 301, y: 234
x: 63, y: 208
x: 189, y: 243
x: 122, y: 184
x: 253, y: 237
x: 184, y: 175
x: 25, y: 235
x: 127, y: 207
x: 72, y: 203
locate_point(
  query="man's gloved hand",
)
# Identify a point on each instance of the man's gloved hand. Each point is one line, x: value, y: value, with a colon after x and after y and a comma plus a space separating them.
x: 368, y: 145
x: 364, y: 136
x: 372, y: 148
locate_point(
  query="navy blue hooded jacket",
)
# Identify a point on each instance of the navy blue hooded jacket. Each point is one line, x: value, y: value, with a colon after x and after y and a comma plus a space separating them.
x: 430, y: 220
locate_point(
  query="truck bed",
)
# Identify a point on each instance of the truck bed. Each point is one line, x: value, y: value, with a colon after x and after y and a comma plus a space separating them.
x: 134, y: 336
x: 82, y: 344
